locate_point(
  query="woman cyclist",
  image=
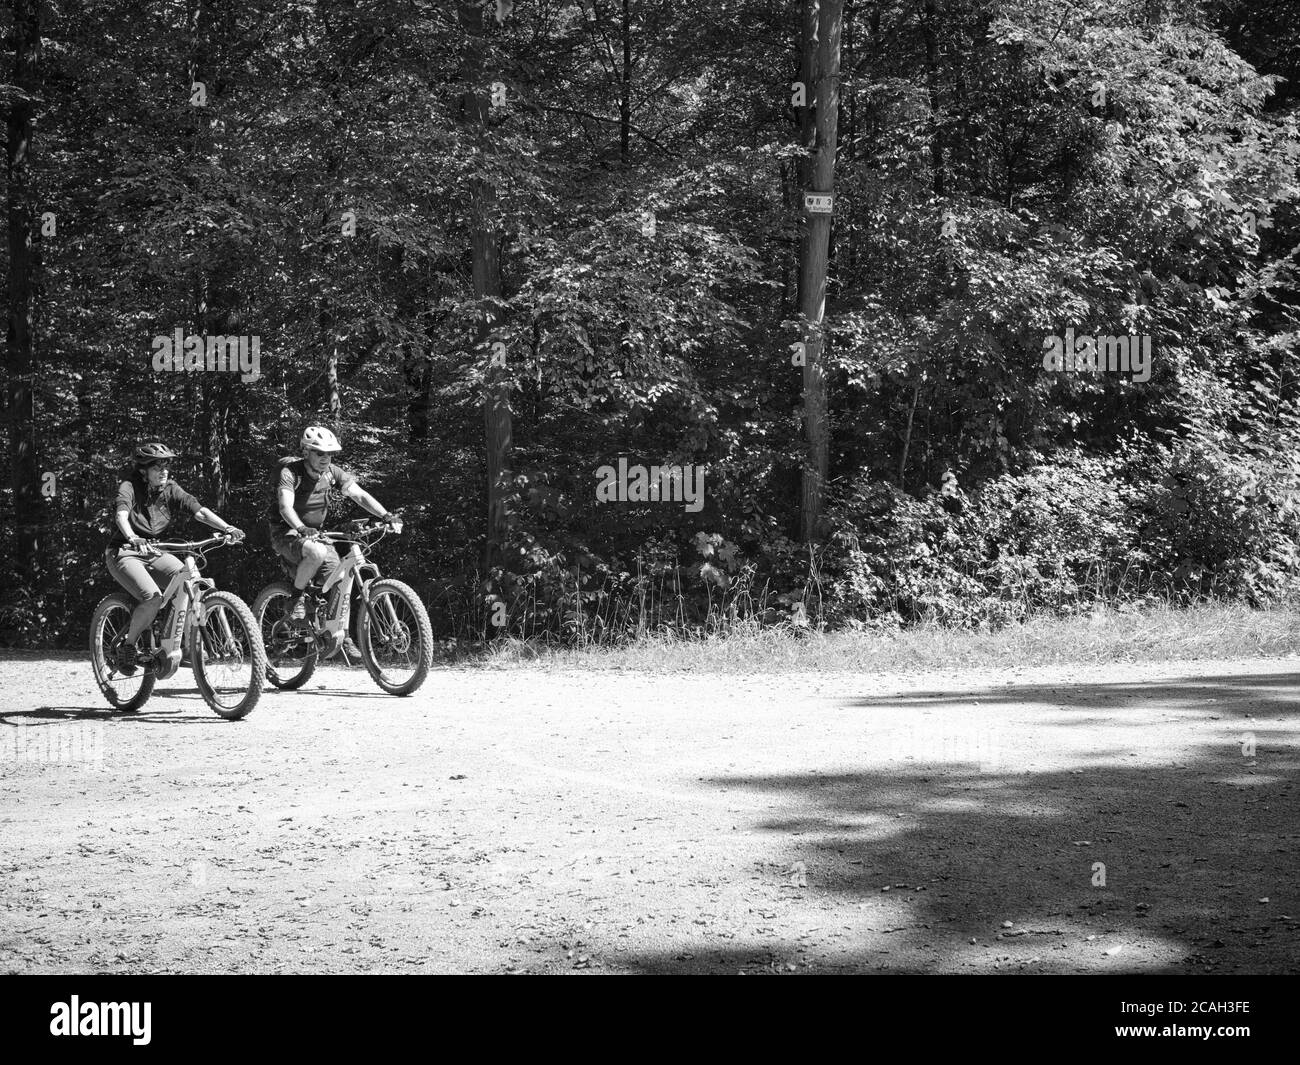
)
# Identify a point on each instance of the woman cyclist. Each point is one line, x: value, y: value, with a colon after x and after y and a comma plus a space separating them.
x: 146, y: 504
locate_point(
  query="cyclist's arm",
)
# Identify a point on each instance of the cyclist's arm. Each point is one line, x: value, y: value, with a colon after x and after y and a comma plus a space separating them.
x: 137, y: 542
x: 122, y: 511
x: 123, y: 520
x: 287, y: 512
x: 211, y: 519
x: 364, y: 499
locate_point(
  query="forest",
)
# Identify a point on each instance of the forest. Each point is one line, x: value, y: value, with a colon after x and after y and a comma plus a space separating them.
x: 652, y: 316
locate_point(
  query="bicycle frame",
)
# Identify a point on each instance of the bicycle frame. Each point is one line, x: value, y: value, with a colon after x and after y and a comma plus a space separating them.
x: 185, y: 593
x: 353, y: 566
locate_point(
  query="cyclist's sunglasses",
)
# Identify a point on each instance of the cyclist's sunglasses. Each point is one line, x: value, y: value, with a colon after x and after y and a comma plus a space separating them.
x: 319, y: 454
x: 158, y: 464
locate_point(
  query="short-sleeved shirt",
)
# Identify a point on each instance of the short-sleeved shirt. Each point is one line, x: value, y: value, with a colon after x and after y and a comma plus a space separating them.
x: 150, y: 512
x: 311, y: 495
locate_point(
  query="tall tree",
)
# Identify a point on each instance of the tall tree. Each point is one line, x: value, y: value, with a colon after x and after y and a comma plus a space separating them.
x: 20, y: 349
x: 820, y: 64
x: 485, y: 239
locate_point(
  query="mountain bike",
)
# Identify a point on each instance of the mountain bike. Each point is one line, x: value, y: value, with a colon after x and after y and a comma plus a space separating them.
x: 393, y: 634
x: 214, y: 630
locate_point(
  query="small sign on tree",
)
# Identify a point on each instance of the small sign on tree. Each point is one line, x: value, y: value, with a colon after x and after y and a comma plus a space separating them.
x: 818, y: 202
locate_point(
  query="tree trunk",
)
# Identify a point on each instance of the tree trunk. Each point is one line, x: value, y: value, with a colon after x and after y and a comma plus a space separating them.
x: 204, y: 420
x: 907, y: 437
x: 415, y: 372
x: 214, y: 399
x: 497, y: 417
x: 932, y: 87
x: 807, y: 123
x: 625, y: 97
x: 25, y: 475
x: 497, y: 420
x: 413, y: 353
x: 821, y: 57
x: 328, y: 330
x: 332, y: 383
x: 851, y: 141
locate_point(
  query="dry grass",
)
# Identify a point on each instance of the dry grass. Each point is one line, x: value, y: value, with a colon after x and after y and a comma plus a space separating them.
x: 1159, y: 634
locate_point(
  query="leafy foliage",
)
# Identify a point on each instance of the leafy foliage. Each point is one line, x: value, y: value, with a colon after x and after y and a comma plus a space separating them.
x: 1007, y: 171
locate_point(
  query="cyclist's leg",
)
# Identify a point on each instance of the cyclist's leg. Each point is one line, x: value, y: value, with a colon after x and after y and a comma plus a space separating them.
x: 288, y: 548
x: 329, y: 562
x: 307, y: 555
x: 130, y: 571
x: 164, y: 567
x: 314, y: 554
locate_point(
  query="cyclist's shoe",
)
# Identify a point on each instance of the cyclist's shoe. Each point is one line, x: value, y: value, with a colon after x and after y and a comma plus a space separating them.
x: 295, y: 610
x: 125, y: 657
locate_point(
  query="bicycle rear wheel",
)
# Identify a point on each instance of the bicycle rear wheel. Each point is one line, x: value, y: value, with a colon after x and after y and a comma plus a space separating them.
x: 111, y: 618
x: 291, y: 652
x: 227, y: 656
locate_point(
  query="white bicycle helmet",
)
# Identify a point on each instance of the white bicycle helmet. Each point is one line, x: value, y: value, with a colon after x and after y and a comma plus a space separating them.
x: 319, y: 438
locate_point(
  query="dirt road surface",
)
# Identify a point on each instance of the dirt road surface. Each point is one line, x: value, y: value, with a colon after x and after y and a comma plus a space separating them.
x: 1099, y: 820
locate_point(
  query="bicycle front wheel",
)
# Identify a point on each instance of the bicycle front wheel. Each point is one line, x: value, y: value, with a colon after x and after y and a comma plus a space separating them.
x: 395, y: 637
x: 227, y: 655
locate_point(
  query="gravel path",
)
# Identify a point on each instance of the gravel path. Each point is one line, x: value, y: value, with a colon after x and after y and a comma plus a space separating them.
x: 527, y: 820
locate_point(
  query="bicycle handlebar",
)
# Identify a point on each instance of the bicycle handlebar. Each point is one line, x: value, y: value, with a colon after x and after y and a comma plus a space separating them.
x: 192, y: 545
x: 364, y: 529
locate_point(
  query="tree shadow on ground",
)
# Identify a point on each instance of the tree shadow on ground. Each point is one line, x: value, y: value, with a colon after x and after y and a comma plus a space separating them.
x: 1192, y: 837
x: 1249, y: 693
x: 52, y: 715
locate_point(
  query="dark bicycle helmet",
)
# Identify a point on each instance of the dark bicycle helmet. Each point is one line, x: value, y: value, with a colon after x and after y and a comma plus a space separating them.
x: 153, y: 452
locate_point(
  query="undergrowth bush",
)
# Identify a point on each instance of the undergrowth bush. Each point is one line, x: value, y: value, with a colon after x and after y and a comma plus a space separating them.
x: 1164, y: 524
x: 1181, y: 524
x: 1176, y: 524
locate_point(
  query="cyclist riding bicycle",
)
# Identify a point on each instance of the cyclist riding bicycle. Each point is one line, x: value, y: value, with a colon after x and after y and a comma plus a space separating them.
x: 147, y: 502
x: 302, y: 505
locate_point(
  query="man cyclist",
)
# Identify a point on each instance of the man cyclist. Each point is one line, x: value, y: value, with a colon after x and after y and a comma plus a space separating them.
x: 147, y: 502
x: 302, y: 505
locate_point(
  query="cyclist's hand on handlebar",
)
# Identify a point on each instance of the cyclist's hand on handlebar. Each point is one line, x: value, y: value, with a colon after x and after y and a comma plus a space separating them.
x: 139, y: 543
x: 235, y: 533
x: 393, y: 521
